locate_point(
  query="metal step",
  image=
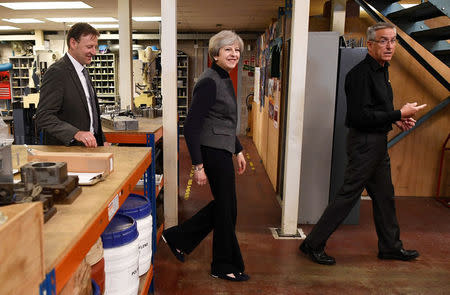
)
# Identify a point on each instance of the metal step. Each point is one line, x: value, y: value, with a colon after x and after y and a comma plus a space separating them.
x: 442, y: 33
x: 443, y: 55
x: 416, y: 13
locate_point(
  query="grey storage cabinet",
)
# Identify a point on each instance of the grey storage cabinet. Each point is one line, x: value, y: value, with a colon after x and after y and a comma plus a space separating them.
x: 348, y: 58
x: 320, y: 96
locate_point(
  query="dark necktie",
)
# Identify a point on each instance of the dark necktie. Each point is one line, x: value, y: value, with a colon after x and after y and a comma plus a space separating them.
x: 91, y: 100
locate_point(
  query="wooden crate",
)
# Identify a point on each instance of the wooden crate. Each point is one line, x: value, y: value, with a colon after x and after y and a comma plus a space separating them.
x: 21, y: 249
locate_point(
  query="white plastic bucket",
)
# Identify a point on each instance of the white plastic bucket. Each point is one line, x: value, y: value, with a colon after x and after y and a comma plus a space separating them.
x: 121, y: 254
x: 144, y: 227
x: 139, y: 207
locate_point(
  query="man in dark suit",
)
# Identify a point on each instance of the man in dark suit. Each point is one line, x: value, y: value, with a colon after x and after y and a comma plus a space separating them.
x: 68, y: 111
x: 370, y: 115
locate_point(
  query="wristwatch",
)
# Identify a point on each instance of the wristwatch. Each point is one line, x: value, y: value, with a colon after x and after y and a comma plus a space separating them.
x: 198, y: 168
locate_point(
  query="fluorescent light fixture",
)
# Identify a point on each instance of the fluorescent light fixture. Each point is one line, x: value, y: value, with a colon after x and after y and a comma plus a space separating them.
x: 23, y: 20
x: 403, y: 5
x: 106, y: 26
x: 46, y: 5
x: 6, y: 28
x: 82, y: 19
x: 408, y: 5
x: 147, y: 18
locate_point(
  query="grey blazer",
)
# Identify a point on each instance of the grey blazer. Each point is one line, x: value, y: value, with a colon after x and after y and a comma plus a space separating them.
x: 62, y: 110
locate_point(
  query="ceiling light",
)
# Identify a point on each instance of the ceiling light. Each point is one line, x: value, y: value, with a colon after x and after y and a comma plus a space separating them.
x: 82, y: 19
x: 6, y: 28
x: 408, y: 5
x: 23, y: 20
x: 147, y: 18
x: 46, y: 5
x: 106, y: 26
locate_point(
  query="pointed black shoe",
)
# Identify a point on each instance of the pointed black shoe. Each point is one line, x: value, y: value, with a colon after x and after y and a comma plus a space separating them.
x: 179, y: 255
x: 401, y: 254
x: 238, y: 276
x: 318, y: 256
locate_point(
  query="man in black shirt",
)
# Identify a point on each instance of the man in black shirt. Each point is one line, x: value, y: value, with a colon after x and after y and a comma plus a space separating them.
x: 370, y: 115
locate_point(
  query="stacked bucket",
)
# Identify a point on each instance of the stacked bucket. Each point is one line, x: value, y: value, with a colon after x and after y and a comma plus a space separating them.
x: 127, y: 243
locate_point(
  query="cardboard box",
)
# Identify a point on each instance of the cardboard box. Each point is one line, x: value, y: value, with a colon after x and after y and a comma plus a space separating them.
x: 78, y: 162
x: 21, y: 249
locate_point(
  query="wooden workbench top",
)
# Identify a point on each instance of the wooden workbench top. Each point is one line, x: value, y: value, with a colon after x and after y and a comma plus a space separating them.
x: 70, y: 233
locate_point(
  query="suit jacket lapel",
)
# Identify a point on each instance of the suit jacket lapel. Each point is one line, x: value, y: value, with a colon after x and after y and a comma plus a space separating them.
x: 76, y: 81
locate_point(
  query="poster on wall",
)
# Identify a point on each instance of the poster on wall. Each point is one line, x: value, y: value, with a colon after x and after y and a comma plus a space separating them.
x: 271, y: 108
x: 270, y: 86
x: 257, y: 80
x: 275, y: 115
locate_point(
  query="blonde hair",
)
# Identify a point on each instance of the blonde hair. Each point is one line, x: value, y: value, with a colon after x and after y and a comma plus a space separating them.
x: 221, y: 39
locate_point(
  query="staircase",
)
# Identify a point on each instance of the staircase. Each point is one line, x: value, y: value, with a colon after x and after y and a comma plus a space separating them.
x: 412, y: 21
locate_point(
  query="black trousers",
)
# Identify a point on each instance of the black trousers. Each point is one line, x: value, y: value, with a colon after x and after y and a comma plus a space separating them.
x: 219, y: 215
x: 368, y: 167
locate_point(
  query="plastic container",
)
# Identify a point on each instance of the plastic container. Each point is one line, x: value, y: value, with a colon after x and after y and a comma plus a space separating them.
x: 139, y: 207
x: 121, y: 254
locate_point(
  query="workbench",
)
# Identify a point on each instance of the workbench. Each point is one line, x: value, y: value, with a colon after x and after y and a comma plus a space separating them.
x: 147, y: 126
x: 149, y: 133
x: 73, y: 230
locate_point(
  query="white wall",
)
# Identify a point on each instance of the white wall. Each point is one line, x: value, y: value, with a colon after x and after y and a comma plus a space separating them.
x: 5, y: 52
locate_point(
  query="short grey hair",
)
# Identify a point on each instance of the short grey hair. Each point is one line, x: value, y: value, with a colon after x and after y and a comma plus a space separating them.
x: 221, y: 39
x: 378, y: 26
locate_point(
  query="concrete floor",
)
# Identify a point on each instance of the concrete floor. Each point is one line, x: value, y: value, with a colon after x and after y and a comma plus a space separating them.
x: 277, y: 266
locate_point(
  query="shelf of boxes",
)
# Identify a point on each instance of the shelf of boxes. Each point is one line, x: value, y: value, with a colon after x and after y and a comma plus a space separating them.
x: 182, y: 89
x: 20, y: 79
x: 182, y: 86
x: 103, y: 75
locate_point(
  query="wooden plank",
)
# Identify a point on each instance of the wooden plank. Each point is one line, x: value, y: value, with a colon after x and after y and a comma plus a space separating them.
x: 264, y: 126
x: 255, y: 125
x: 258, y: 128
x: 21, y: 249
x: 272, y: 151
x: 70, y: 234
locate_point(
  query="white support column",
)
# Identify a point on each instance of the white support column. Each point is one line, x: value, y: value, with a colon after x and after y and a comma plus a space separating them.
x: 169, y: 95
x: 125, y: 75
x: 337, y: 22
x: 39, y: 38
x: 295, y: 116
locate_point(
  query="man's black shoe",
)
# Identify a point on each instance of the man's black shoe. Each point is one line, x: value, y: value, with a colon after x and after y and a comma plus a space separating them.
x: 318, y: 256
x: 401, y: 254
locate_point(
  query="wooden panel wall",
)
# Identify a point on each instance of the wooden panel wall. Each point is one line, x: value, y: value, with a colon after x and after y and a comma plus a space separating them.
x: 266, y: 135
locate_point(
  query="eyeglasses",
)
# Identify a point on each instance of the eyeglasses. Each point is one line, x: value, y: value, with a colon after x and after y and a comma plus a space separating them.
x: 384, y: 42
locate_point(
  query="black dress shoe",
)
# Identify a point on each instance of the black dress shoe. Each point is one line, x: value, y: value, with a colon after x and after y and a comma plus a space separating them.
x: 177, y: 253
x: 401, y: 254
x: 235, y: 276
x: 318, y: 256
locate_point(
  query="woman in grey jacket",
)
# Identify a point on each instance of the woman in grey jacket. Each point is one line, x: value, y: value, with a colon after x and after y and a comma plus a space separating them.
x: 210, y: 133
